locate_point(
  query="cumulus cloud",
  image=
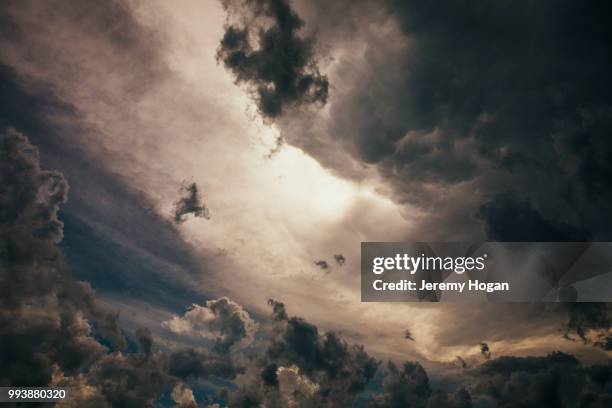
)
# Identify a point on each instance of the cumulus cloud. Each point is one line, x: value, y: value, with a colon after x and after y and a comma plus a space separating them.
x: 265, y: 49
x: 222, y: 320
x: 554, y: 380
x: 199, y: 363
x: 52, y: 310
x: 406, y: 386
x: 296, y: 365
x: 322, y: 367
x: 557, y: 380
x: 183, y: 396
x: 278, y: 310
x: 297, y: 390
x: 130, y: 379
x: 55, y: 342
x: 190, y: 203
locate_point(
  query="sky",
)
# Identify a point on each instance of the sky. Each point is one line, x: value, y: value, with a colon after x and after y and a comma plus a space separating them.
x: 307, y: 128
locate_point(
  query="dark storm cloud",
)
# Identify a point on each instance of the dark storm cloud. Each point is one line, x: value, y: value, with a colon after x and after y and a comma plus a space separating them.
x: 511, y: 220
x: 296, y: 363
x: 145, y: 340
x: 109, y: 328
x: 266, y: 50
x: 333, y: 371
x: 488, y: 109
x: 278, y: 310
x: 529, y: 84
x: 589, y: 323
x: 406, y: 386
x: 35, y: 290
x: 129, y: 380
x: 199, y: 363
x: 54, y: 341
x: 105, y: 213
x: 190, y: 203
x: 556, y: 380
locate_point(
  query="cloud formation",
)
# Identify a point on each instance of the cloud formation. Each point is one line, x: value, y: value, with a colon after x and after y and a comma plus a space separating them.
x: 35, y: 289
x: 55, y: 342
x: 266, y: 50
x: 222, y: 320
x: 322, y: 368
x: 190, y: 203
x: 589, y: 323
x: 470, y: 123
x: 555, y: 380
x: 296, y: 365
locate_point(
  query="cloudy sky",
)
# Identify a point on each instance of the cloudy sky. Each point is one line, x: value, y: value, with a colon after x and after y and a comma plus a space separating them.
x: 307, y: 128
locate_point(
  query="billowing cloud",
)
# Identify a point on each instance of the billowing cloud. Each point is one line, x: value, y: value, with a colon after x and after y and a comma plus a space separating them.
x: 199, y: 363
x: 406, y: 386
x: 278, y: 310
x: 511, y: 220
x: 557, y: 379
x: 266, y: 50
x: 222, y: 320
x: 296, y: 390
x: 554, y: 380
x: 297, y: 364
x: 435, y: 163
x: 55, y: 343
x: 470, y: 123
x: 320, y: 368
x: 183, y: 396
x: 35, y: 289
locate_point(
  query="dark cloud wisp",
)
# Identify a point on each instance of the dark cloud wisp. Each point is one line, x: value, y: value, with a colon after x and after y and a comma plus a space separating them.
x: 190, y: 203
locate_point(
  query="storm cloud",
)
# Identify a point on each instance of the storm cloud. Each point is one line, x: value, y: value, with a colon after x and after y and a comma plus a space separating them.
x: 266, y: 50
x: 56, y: 342
x: 301, y: 363
x: 222, y: 320
x: 589, y: 323
x: 473, y: 114
x: 35, y: 289
x: 555, y: 380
